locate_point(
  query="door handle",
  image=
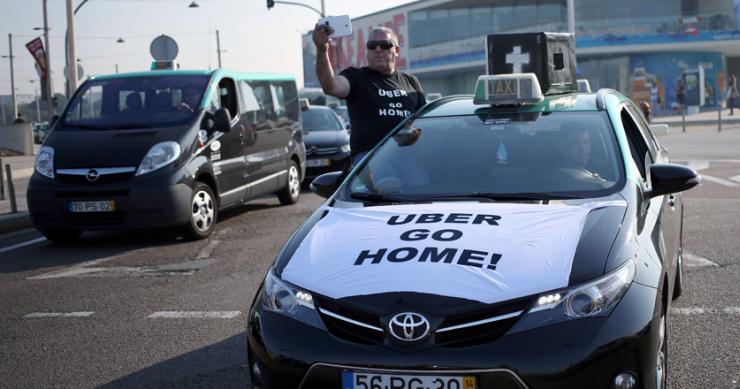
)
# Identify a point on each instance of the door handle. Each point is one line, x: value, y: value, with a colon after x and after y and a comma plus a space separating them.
x: 672, y: 200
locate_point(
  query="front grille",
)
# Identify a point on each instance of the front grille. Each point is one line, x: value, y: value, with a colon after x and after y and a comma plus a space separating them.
x: 461, y: 330
x: 322, y: 151
x: 346, y: 330
x: 469, y: 333
x: 103, y: 179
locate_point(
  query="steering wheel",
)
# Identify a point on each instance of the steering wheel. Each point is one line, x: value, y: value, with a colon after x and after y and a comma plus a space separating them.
x: 584, y: 175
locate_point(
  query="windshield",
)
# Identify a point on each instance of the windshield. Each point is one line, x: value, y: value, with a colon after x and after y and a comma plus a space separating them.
x: 320, y: 120
x: 136, y: 102
x: 541, y: 156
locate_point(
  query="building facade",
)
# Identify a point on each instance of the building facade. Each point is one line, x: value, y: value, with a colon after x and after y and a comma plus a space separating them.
x: 639, y: 47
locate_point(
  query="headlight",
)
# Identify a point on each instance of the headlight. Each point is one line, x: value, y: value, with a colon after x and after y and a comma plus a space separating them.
x: 278, y: 296
x: 45, y: 161
x: 601, y: 295
x: 593, y: 299
x: 159, y: 155
x: 345, y: 149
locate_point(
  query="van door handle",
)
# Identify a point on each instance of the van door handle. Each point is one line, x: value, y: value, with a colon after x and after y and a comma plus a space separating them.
x: 672, y: 200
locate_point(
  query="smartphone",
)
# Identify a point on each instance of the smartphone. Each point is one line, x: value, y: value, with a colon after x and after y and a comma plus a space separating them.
x: 341, y: 25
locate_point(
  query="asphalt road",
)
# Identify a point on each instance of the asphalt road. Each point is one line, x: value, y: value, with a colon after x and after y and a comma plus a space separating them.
x: 145, y: 309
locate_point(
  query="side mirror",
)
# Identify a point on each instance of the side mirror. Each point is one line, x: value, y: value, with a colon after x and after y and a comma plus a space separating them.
x: 326, y: 184
x: 222, y: 120
x: 53, y: 121
x: 671, y: 178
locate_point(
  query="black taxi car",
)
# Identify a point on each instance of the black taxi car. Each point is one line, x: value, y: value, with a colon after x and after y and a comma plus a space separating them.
x: 510, y: 239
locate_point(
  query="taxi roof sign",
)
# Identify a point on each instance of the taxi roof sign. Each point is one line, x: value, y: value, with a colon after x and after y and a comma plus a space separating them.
x: 550, y: 56
x: 508, y: 89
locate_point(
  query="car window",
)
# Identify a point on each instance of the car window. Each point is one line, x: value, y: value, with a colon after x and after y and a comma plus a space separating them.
x: 254, y: 112
x: 639, y: 150
x: 264, y: 97
x: 644, y: 128
x: 320, y: 120
x: 561, y: 152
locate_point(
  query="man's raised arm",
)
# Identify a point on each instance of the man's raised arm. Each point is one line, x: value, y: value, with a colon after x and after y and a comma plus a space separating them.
x: 337, y: 86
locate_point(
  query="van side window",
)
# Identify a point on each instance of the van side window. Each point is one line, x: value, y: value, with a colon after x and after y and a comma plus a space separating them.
x: 126, y: 103
x: 264, y: 97
x: 278, y: 101
x: 287, y: 98
x: 251, y: 106
x: 227, y: 92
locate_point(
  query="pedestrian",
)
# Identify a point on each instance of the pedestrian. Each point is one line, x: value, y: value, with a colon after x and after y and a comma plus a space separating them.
x: 732, y: 93
x: 19, y: 119
x: 647, y: 110
x: 378, y: 96
x: 681, y: 95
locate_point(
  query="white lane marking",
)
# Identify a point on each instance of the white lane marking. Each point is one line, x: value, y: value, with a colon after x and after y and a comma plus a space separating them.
x: 194, y: 315
x: 44, y: 315
x: 718, y: 180
x: 701, y: 311
x: 23, y: 244
x: 735, y: 178
x: 698, y: 165
x: 691, y: 260
x: 187, y: 268
x: 206, y: 252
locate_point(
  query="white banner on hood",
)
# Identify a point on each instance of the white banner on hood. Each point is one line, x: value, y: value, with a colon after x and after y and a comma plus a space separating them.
x: 478, y: 251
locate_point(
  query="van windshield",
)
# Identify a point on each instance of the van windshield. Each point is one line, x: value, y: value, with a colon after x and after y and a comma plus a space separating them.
x: 136, y: 102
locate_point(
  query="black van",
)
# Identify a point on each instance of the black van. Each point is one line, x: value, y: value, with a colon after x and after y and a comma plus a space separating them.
x: 167, y: 149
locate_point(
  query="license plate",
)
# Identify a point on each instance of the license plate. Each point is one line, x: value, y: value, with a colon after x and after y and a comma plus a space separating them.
x: 92, y: 206
x: 363, y: 380
x: 317, y: 162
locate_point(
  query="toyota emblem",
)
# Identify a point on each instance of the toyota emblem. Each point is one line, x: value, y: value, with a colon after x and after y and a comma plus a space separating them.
x: 409, y: 326
x: 92, y: 175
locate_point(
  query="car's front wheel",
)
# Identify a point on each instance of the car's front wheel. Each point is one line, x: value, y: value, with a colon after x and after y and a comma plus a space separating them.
x: 292, y: 190
x: 661, y: 358
x: 203, y: 213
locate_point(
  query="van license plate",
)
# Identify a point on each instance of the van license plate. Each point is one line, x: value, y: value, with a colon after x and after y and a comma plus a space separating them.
x: 317, y: 162
x: 364, y: 380
x: 92, y: 206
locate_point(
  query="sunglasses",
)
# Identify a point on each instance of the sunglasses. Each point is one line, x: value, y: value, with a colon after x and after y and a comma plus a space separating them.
x: 385, y: 45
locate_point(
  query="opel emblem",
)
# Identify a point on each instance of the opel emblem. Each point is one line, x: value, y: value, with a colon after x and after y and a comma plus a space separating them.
x: 409, y: 326
x: 92, y: 175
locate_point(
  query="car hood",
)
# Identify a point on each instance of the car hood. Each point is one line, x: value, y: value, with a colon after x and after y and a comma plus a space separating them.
x: 323, y: 139
x: 478, y: 252
x: 110, y: 148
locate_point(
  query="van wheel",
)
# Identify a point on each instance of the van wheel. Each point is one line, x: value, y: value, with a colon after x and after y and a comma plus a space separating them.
x: 62, y: 236
x: 292, y: 190
x: 203, y: 212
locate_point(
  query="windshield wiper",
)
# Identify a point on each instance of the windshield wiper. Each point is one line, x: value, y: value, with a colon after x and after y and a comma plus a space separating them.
x: 379, y: 197
x: 503, y: 196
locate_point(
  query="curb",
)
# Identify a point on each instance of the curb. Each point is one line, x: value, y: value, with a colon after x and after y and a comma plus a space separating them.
x: 699, y: 123
x: 15, y: 221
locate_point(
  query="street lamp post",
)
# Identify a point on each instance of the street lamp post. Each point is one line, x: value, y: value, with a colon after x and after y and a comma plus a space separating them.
x: 12, y: 77
x: 71, y: 65
x: 49, y: 78
x: 571, y: 17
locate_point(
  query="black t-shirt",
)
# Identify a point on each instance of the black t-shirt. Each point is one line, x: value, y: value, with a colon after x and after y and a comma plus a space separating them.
x: 377, y: 103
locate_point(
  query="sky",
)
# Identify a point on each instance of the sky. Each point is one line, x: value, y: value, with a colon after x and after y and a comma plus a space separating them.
x: 253, y: 39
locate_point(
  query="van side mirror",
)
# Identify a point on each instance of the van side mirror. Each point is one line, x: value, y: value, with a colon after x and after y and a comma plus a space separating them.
x: 326, y: 184
x: 671, y: 178
x: 222, y: 120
